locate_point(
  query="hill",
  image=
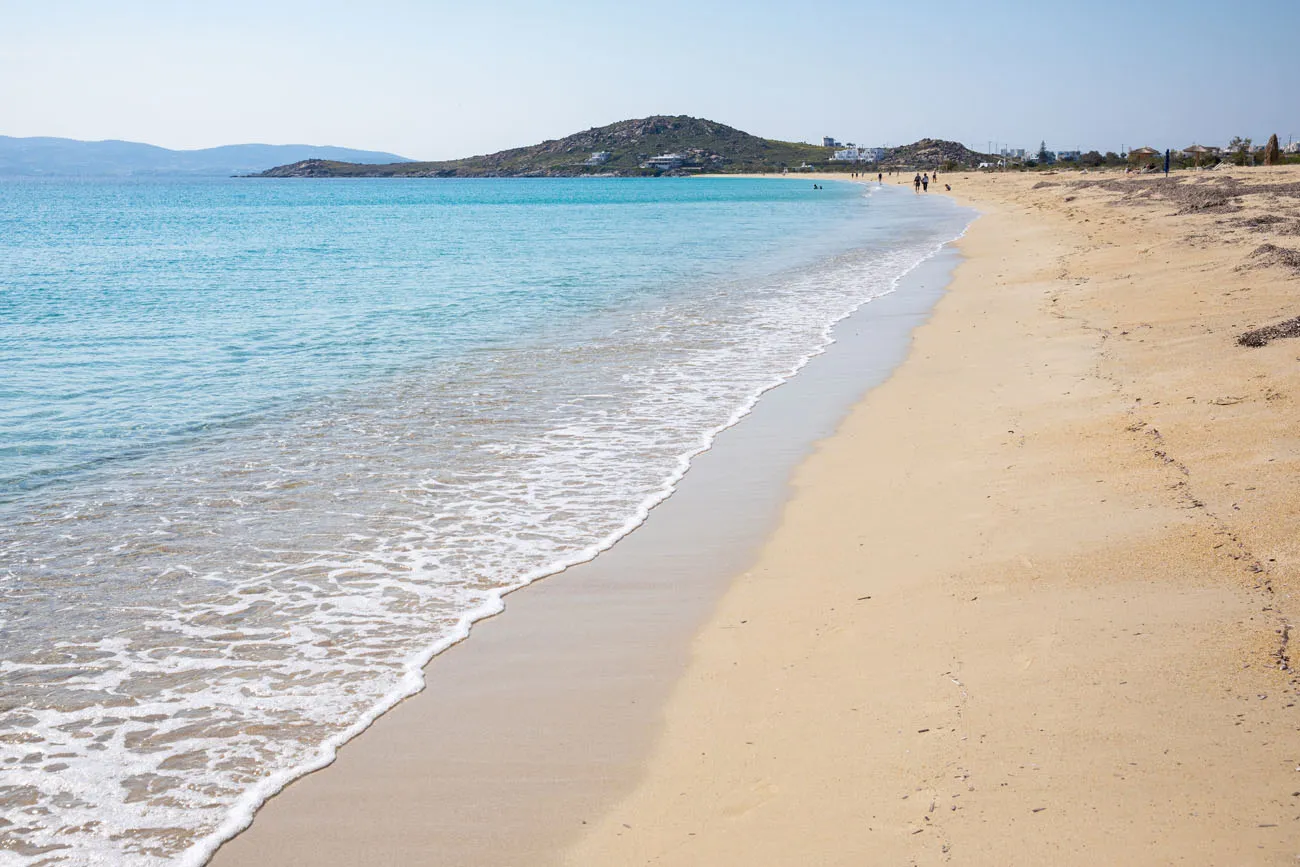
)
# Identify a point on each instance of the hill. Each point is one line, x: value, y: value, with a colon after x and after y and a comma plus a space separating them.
x: 702, y: 146
x: 934, y: 153
x: 64, y: 157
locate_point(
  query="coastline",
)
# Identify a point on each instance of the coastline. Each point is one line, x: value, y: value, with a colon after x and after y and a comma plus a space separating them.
x: 1030, y: 603
x: 524, y: 733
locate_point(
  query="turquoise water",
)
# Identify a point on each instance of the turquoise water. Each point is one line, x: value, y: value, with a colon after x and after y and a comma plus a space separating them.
x: 137, y: 314
x: 266, y: 447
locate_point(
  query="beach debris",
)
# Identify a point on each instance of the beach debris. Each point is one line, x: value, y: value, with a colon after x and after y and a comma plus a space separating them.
x: 1039, y: 809
x: 1270, y: 223
x: 1267, y: 255
x: 1214, y: 196
x: 1261, y: 336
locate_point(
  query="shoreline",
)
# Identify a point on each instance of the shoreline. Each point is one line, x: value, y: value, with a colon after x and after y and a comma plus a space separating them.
x: 1031, y: 602
x: 1028, y: 603
x: 670, y: 571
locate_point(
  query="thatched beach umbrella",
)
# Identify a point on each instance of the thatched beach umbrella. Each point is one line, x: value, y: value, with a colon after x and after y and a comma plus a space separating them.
x: 1140, y: 155
x: 1197, y: 152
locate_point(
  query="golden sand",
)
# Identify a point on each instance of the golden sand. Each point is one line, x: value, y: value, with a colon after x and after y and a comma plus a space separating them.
x: 1030, y: 604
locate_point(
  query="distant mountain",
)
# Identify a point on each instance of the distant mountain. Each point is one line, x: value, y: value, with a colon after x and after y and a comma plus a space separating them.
x: 627, y: 148
x: 69, y: 157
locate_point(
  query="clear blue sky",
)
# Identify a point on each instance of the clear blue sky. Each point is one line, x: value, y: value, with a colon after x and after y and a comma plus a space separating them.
x: 445, y: 79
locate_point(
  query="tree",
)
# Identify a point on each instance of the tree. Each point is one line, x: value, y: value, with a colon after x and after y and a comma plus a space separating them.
x: 1241, y: 147
x: 1042, y: 152
x: 1272, y: 153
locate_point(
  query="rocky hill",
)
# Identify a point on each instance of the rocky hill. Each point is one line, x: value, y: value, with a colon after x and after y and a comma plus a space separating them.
x: 627, y: 146
x: 934, y: 153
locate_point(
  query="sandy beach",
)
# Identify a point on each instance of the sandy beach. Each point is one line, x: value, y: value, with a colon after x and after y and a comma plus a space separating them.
x: 1028, y: 604
x: 1031, y: 603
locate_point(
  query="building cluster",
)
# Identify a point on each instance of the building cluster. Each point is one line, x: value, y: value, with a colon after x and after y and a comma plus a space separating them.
x: 1203, y: 151
x: 851, y: 153
x: 1194, y: 152
x: 855, y: 154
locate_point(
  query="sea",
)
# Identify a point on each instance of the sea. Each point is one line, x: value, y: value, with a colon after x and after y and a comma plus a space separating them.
x: 268, y: 446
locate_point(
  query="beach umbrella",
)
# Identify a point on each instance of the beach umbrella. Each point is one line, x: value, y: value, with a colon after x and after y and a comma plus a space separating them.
x: 1141, y: 155
x: 1196, y: 152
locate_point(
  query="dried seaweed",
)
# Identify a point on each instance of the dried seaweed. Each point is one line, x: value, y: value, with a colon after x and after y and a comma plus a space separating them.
x: 1266, y: 255
x: 1261, y: 336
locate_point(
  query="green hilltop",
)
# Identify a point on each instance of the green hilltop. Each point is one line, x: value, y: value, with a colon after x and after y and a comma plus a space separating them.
x: 702, y: 146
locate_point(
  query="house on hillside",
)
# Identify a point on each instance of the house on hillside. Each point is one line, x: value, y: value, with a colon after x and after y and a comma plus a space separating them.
x: 599, y: 158
x: 664, y: 162
x: 829, y: 142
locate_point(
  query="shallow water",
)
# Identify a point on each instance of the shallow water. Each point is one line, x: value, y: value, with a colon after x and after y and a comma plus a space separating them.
x: 265, y: 447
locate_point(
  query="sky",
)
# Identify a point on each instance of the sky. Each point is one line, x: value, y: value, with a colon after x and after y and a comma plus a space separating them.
x: 439, y: 80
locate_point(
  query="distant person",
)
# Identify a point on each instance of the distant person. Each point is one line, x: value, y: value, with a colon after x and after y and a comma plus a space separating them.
x: 925, y: 182
x: 880, y: 177
x: 916, y: 182
x: 948, y: 187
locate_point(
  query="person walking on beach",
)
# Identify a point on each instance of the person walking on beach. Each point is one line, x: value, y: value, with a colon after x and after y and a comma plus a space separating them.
x: 925, y: 182
x: 880, y: 177
x: 916, y: 182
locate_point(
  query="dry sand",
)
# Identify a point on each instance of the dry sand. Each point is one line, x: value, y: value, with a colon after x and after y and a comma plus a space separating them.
x: 1029, y: 605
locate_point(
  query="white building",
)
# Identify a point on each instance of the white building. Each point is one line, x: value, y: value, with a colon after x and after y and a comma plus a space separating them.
x: 1292, y: 148
x: 1068, y: 156
x: 829, y: 142
x: 664, y: 162
x: 859, y: 155
x: 1013, y: 153
x: 599, y: 158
